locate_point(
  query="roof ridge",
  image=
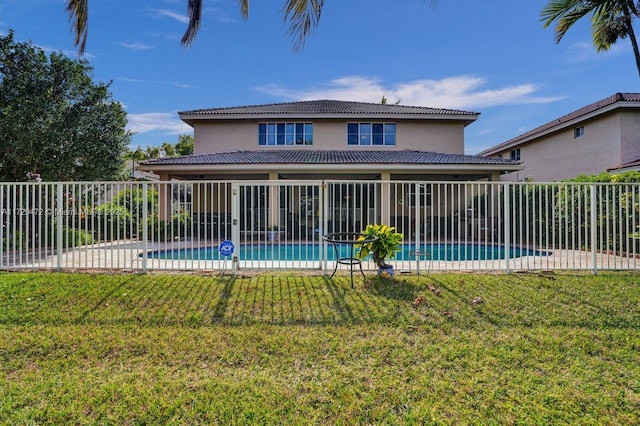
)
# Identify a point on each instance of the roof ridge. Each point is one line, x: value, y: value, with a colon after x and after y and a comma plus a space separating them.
x: 325, y: 106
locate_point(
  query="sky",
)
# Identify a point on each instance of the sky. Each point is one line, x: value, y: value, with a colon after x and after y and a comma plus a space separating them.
x: 492, y: 57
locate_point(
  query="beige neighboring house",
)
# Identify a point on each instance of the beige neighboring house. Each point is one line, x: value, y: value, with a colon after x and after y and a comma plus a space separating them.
x: 329, y: 139
x: 601, y: 137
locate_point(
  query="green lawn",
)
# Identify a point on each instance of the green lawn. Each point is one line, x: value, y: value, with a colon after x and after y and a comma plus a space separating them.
x: 301, y: 349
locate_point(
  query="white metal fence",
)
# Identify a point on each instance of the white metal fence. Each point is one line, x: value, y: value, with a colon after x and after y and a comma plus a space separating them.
x: 280, y: 224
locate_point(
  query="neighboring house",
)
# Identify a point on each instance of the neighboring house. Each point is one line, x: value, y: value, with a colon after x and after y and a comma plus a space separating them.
x: 601, y: 137
x: 332, y: 141
x: 134, y: 173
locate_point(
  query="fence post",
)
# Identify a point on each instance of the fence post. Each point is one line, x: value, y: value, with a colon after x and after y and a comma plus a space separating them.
x: 507, y: 226
x: 594, y: 231
x: 325, y: 226
x: 3, y: 211
x: 59, y: 224
x: 235, y: 224
x: 145, y: 225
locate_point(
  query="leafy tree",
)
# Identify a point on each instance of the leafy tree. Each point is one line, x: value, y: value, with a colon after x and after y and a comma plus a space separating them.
x: 153, y: 152
x: 611, y: 20
x: 138, y: 155
x: 169, y: 150
x: 54, y: 121
x: 302, y: 16
x: 184, y: 146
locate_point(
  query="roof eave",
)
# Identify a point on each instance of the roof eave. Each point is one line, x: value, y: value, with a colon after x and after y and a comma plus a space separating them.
x: 340, y: 167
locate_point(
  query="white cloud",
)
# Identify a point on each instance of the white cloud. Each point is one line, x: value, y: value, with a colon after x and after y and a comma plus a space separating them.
x: 165, y: 122
x: 220, y: 15
x: 171, y: 14
x: 69, y: 53
x: 581, y: 52
x: 459, y: 92
x: 182, y: 85
x: 164, y: 83
x: 136, y: 46
x: 586, y: 51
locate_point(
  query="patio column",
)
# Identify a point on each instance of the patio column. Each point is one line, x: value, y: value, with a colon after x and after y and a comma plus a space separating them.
x: 164, y: 197
x: 385, y: 197
x: 274, y: 200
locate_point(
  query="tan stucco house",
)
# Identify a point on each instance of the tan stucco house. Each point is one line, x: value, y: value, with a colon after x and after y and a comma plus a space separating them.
x: 601, y: 137
x: 328, y: 140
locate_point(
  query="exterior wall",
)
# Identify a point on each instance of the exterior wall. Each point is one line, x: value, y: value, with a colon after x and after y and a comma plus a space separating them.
x: 233, y: 135
x: 562, y: 156
x: 630, y: 137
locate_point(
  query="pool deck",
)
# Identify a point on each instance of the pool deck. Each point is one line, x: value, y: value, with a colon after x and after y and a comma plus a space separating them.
x: 125, y: 255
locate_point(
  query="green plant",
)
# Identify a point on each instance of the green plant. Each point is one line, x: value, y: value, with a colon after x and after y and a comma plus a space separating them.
x: 112, y: 222
x: 71, y: 237
x: 181, y: 226
x: 385, y: 245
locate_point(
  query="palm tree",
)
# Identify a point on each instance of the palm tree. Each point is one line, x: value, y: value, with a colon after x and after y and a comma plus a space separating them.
x: 611, y: 20
x: 302, y: 16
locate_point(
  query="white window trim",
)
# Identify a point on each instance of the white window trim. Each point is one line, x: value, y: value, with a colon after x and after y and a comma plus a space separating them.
x: 371, y: 123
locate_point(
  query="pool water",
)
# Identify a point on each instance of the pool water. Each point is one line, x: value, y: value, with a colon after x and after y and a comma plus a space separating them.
x: 311, y: 252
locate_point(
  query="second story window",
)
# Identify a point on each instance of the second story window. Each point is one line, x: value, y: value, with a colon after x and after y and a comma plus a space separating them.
x: 371, y: 134
x: 578, y: 131
x: 285, y: 134
x: 515, y: 154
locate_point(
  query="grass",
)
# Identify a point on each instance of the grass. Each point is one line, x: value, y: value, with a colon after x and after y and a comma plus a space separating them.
x: 278, y: 349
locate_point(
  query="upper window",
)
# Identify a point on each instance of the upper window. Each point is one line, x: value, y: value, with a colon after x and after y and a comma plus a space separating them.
x: 371, y: 133
x: 515, y: 154
x: 578, y: 131
x: 285, y: 134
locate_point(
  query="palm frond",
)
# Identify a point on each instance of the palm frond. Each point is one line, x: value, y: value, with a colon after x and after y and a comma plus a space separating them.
x: 303, y: 16
x: 79, y: 15
x: 565, y: 13
x: 244, y: 8
x: 610, y: 24
x: 195, y: 16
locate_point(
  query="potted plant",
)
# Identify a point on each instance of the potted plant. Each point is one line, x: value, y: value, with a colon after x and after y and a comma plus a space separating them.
x: 272, y: 233
x: 385, y: 246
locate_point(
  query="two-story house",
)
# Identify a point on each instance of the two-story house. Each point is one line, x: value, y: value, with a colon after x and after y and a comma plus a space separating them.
x: 328, y: 139
x: 601, y: 137
x: 335, y: 141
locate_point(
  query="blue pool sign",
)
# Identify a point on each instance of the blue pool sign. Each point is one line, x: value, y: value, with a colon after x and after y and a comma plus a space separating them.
x: 226, y: 248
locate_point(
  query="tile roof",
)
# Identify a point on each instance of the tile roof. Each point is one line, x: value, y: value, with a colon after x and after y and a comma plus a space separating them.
x: 591, y: 108
x: 319, y: 157
x: 635, y: 163
x: 326, y: 107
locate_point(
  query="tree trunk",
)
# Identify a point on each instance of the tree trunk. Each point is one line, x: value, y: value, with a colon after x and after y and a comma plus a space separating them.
x: 632, y: 37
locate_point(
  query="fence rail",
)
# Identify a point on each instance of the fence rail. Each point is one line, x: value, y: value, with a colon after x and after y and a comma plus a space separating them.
x: 279, y: 224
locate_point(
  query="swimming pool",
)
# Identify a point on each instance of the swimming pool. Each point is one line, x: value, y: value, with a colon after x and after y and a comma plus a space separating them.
x: 311, y: 252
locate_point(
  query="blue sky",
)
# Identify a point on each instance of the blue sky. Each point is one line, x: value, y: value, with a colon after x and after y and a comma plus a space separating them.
x: 491, y: 57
